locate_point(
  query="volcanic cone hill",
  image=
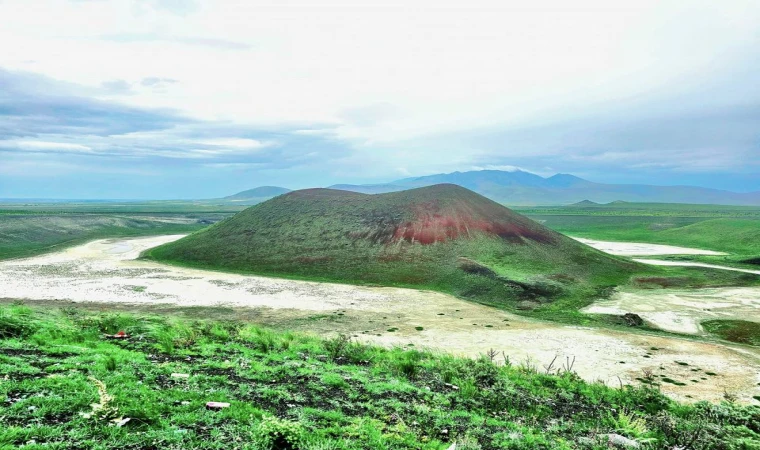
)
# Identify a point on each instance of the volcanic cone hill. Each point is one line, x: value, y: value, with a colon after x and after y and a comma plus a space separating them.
x: 441, y: 237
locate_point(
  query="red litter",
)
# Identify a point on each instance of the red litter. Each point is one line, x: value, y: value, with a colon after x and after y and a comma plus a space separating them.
x: 120, y: 335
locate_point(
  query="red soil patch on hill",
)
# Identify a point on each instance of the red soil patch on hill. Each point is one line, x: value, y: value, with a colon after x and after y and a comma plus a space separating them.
x: 425, y: 215
x: 433, y: 223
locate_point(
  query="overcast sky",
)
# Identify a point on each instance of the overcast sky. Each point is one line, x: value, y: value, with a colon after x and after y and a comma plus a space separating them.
x: 198, y: 99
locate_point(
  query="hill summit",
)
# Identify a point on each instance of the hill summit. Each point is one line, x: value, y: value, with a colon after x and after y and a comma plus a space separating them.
x: 442, y: 237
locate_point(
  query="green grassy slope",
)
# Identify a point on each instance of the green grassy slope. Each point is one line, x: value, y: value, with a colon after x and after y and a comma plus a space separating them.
x: 291, y: 391
x: 23, y: 235
x: 629, y: 209
x: 738, y: 237
x: 442, y: 237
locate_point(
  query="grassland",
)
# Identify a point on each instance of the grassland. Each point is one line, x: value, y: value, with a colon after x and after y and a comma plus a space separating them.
x: 632, y: 209
x: 29, y: 234
x: 63, y: 385
x: 121, y: 207
x: 731, y: 229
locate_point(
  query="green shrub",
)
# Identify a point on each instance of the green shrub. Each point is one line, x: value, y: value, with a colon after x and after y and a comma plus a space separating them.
x: 344, y: 350
x: 334, y: 380
x: 13, y: 326
x: 280, y: 434
x: 110, y: 363
x: 408, y: 364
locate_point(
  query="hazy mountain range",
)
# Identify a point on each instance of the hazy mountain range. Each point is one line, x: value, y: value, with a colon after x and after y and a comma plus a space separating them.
x: 525, y: 188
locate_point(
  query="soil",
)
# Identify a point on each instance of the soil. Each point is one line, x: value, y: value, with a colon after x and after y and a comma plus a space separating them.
x: 643, y: 249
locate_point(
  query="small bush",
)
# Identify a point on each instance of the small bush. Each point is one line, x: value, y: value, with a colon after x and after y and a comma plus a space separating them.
x: 333, y: 380
x: 342, y: 349
x: 110, y: 363
x: 15, y: 326
x: 409, y: 364
x: 280, y: 434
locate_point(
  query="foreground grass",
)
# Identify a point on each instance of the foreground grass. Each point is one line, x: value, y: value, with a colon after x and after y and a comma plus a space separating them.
x: 62, y: 385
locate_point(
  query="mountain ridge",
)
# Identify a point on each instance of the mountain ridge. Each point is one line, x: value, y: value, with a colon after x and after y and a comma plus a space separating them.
x: 521, y: 188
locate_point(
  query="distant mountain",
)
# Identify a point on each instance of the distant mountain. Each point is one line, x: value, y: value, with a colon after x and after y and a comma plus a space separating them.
x: 257, y: 195
x: 520, y: 188
x: 525, y: 188
x: 586, y: 203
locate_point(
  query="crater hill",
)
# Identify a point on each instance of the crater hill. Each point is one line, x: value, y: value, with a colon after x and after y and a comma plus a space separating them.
x: 442, y: 237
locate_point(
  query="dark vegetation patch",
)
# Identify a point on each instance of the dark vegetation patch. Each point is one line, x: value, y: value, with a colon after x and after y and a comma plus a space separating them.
x: 290, y: 391
x: 662, y: 282
x: 754, y: 261
x: 627, y: 319
x: 739, y: 331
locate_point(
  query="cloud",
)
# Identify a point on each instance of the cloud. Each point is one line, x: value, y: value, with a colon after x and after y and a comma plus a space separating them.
x: 41, y: 116
x: 44, y: 146
x: 181, y: 7
x: 220, y: 44
x: 359, y: 93
x: 117, y: 87
x: 158, y: 82
x: 32, y: 105
x: 236, y: 143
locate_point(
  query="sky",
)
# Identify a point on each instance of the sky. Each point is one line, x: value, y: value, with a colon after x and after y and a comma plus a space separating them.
x: 165, y: 99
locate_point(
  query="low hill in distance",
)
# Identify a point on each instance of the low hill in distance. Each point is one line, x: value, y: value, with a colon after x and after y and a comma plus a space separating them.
x: 520, y: 188
x: 585, y: 203
x: 442, y: 237
x: 257, y: 195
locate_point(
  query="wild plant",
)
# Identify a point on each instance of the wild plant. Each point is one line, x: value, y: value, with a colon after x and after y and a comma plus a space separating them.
x: 104, y: 409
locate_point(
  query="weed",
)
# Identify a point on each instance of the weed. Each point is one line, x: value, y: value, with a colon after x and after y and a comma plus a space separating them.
x: 110, y: 363
x: 408, y: 364
x: 280, y: 434
x: 104, y: 408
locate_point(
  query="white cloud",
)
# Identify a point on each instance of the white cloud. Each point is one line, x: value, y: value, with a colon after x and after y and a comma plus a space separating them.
x: 40, y: 146
x: 402, y: 83
x: 236, y: 143
x: 388, y: 71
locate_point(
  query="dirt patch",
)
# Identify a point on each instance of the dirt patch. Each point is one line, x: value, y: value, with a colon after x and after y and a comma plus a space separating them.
x: 643, y: 249
x: 682, y: 310
x: 658, y: 262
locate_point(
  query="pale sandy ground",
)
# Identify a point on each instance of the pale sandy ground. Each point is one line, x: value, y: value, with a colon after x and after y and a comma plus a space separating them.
x: 642, y: 249
x: 658, y: 262
x: 105, y: 272
x: 675, y: 309
x: 681, y: 310
x: 678, y: 310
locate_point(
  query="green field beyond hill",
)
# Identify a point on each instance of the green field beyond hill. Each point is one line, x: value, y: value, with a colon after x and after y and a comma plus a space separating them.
x: 63, y: 385
x: 442, y: 237
x: 28, y: 234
